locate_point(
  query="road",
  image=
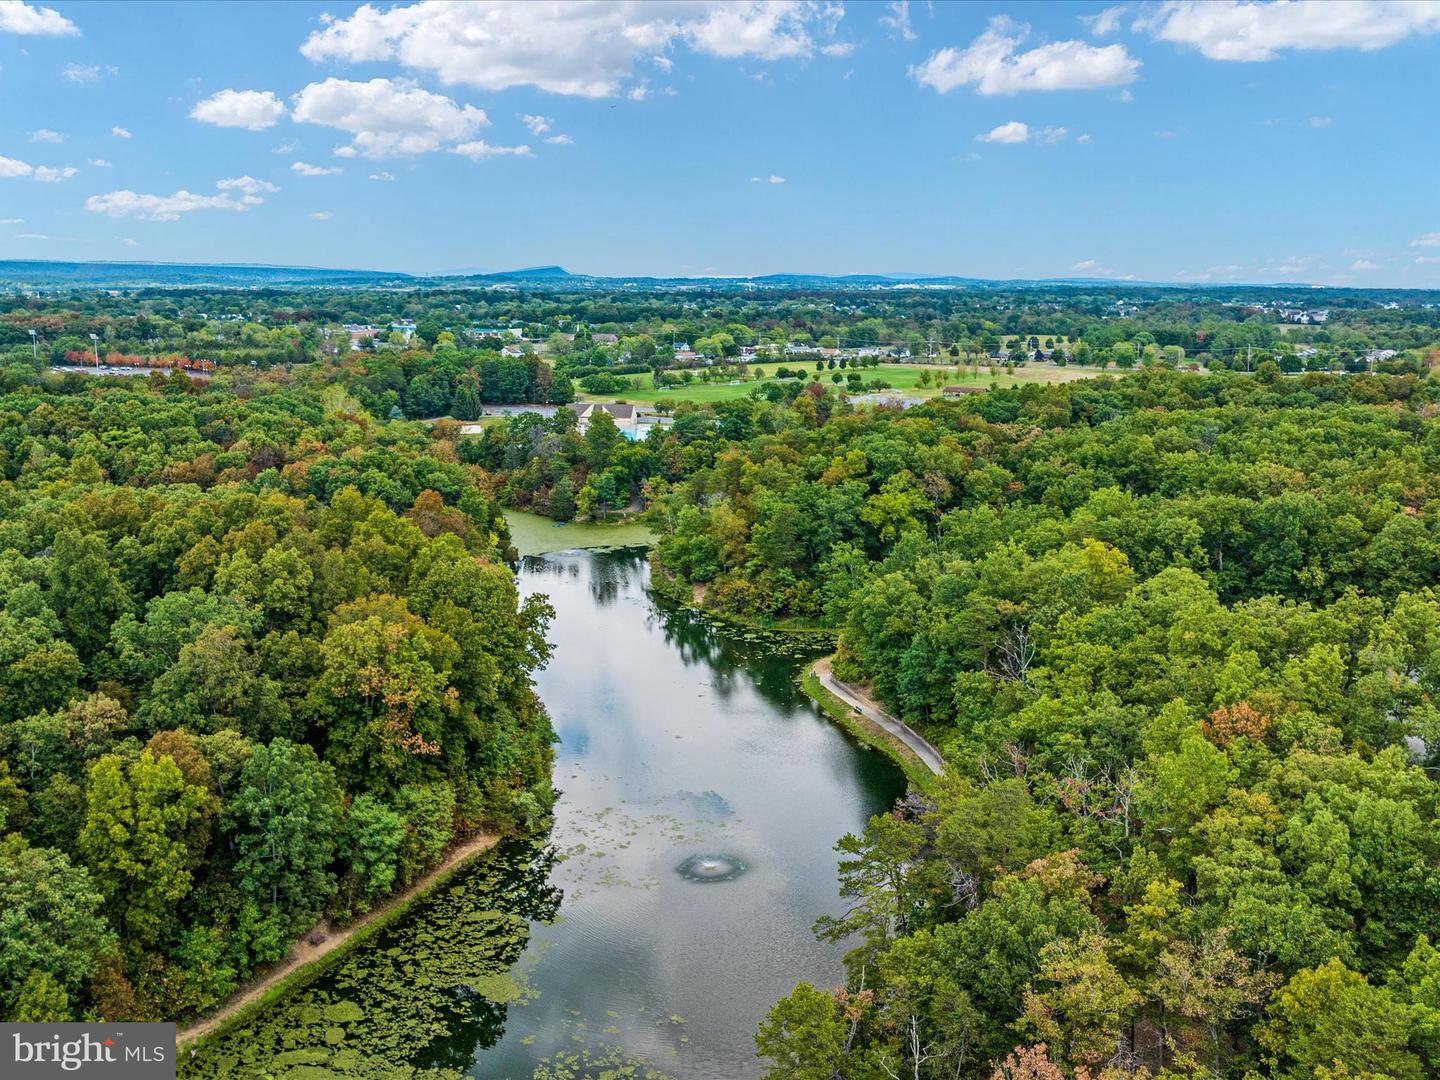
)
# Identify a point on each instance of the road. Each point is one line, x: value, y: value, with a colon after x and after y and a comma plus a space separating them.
x: 862, y: 703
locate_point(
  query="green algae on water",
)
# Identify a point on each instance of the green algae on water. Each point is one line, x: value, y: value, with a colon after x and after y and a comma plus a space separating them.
x: 419, y: 1001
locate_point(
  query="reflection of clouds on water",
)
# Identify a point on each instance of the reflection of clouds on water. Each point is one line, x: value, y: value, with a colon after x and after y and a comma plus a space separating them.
x: 710, y: 803
x: 680, y: 738
x: 575, y: 740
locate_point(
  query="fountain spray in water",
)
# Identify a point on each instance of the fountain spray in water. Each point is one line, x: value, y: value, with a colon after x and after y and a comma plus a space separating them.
x: 711, y: 868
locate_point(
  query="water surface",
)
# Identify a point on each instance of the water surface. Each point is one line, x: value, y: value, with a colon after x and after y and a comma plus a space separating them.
x: 678, y: 740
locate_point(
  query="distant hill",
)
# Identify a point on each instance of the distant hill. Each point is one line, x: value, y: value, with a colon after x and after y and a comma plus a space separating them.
x: 48, y: 274
x: 536, y: 272
x: 37, y: 273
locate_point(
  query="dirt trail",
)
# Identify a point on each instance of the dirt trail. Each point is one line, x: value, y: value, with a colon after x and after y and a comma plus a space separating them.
x: 303, y: 953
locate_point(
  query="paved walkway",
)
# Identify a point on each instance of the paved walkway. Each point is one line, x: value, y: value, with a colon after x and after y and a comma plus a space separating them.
x: 864, y: 704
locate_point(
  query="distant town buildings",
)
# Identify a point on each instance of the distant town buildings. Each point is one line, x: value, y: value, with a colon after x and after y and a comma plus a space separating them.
x: 1303, y: 316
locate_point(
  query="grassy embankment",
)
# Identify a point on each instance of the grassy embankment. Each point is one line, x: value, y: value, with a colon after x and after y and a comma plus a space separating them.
x: 866, y: 731
x: 309, y: 962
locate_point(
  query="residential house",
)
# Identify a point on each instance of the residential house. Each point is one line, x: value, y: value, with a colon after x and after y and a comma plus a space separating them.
x: 359, y: 333
x: 624, y: 414
x: 952, y: 393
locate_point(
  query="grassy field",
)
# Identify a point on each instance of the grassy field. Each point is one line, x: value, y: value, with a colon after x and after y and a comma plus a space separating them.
x: 901, y: 377
x: 534, y: 534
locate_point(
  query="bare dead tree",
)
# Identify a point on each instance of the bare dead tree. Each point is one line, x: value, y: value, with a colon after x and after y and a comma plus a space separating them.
x: 919, y: 1053
x: 1017, y: 653
x: 964, y: 887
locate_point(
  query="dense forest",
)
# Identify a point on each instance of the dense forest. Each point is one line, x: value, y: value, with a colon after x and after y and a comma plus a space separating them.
x: 1178, y: 637
x: 263, y: 663
x: 1176, y: 633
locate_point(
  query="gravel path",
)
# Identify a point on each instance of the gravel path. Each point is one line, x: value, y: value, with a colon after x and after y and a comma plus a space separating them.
x: 861, y: 701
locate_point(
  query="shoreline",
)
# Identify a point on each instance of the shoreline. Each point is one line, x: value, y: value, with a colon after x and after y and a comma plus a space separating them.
x: 306, y: 960
x: 860, y: 715
x: 692, y: 597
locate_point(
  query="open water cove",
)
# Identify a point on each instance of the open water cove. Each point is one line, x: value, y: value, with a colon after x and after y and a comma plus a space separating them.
x: 701, y: 794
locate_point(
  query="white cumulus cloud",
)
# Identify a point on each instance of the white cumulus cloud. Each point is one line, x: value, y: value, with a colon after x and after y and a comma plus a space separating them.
x: 119, y: 204
x: 254, y: 110
x: 1248, y: 31
x: 20, y: 18
x: 387, y: 117
x: 11, y: 168
x: 560, y: 140
x: 992, y: 65
x: 1107, y: 21
x: 304, y: 168
x: 251, y: 191
x: 120, y: 132
x: 538, y: 125
x: 1426, y: 240
x: 479, y: 150
x: 1015, y: 131
x: 772, y: 179
x: 587, y: 49
x: 321, y: 215
x: 45, y: 135
x: 382, y: 175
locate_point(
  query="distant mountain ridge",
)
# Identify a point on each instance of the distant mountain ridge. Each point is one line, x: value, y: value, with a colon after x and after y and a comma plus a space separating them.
x: 46, y: 273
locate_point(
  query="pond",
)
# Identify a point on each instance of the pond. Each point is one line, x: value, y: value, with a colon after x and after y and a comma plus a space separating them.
x: 670, y: 905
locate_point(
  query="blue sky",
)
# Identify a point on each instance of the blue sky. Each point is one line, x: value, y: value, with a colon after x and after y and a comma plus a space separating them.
x: 1165, y: 141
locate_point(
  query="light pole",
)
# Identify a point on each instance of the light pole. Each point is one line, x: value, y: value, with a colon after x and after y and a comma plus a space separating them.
x: 95, y: 344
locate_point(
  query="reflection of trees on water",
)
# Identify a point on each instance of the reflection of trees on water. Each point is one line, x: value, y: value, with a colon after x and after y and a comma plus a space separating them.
x: 429, y: 992
x: 767, y: 661
x: 611, y: 573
